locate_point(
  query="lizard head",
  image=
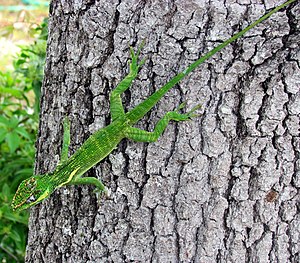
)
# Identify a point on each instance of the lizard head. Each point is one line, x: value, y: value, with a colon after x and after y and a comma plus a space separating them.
x: 30, y: 192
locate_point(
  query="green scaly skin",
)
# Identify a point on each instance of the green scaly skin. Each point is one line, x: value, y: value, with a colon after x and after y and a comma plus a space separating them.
x: 70, y: 170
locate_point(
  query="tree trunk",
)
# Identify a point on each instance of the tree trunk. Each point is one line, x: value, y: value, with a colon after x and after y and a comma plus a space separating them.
x: 223, y: 187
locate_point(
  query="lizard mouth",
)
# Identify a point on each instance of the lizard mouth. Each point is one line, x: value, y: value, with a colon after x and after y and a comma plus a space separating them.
x: 17, y: 206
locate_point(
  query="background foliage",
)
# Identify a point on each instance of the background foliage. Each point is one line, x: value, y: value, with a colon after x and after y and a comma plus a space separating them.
x: 19, y: 110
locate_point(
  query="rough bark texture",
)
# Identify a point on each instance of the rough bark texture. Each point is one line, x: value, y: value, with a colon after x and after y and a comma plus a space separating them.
x: 221, y: 188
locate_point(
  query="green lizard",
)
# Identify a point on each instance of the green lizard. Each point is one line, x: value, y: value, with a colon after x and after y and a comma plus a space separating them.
x: 100, y: 144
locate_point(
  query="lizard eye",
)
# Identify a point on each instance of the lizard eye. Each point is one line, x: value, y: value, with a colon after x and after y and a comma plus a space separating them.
x: 31, y: 183
x: 30, y: 199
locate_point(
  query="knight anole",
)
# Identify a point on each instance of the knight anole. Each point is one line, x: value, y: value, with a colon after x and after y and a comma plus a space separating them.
x: 100, y: 144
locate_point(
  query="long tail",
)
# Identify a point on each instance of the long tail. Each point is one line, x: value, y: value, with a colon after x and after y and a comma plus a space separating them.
x: 139, y: 111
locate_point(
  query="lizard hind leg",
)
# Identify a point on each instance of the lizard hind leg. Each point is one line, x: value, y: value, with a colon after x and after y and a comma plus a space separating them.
x: 139, y: 135
x: 116, y: 106
x: 188, y: 115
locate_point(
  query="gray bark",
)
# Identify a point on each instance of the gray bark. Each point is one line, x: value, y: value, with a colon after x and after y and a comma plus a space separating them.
x: 223, y: 187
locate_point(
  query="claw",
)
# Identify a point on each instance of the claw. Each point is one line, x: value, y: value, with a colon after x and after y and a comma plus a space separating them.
x: 142, y: 62
x: 191, y: 112
x: 104, y: 193
x: 181, y: 106
x: 141, y: 47
x: 133, y: 62
x: 195, y: 108
x: 134, y: 57
x: 132, y: 54
x: 193, y: 115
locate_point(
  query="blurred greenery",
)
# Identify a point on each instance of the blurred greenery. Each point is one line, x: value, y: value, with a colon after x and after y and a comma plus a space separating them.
x: 19, y: 111
x: 25, y: 5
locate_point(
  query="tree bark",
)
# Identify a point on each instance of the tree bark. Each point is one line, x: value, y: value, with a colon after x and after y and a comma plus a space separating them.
x: 223, y: 187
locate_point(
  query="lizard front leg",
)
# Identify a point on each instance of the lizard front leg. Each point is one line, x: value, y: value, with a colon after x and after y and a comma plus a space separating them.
x: 66, y: 141
x: 89, y: 180
x: 76, y: 180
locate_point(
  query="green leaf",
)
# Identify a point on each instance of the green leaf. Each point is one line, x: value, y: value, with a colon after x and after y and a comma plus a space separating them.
x: 3, y: 133
x: 14, y: 92
x: 15, y: 235
x: 25, y: 172
x: 13, y: 122
x: 4, y: 121
x: 13, y: 141
x: 16, y: 217
x: 5, y: 190
x: 23, y: 132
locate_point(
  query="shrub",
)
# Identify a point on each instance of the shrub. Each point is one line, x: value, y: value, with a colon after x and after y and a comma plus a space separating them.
x: 19, y: 110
